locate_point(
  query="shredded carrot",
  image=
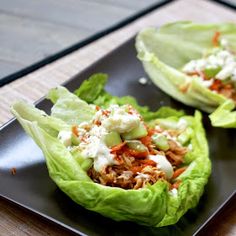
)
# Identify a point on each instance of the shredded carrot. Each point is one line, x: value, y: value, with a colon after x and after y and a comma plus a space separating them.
x: 176, y: 185
x: 97, y: 108
x: 148, y: 162
x: 146, y: 140
x: 153, y: 151
x: 118, y: 147
x: 217, y: 84
x: 136, y: 169
x: 75, y: 130
x: 13, y: 171
x: 151, y: 132
x: 215, y: 39
x: 97, y: 122
x: 106, y: 112
x: 184, y: 88
x: 119, y: 159
x: 135, y: 153
x: 178, y: 172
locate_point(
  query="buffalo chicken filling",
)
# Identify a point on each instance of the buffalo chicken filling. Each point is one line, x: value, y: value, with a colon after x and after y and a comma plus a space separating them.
x: 216, y: 69
x: 125, y: 152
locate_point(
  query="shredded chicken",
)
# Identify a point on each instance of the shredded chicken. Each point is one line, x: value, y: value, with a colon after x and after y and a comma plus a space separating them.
x: 131, y: 174
x: 135, y: 173
x: 176, y: 153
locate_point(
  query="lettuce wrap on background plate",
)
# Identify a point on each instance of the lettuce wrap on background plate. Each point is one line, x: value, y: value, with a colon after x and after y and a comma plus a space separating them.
x: 119, y: 159
x: 195, y: 64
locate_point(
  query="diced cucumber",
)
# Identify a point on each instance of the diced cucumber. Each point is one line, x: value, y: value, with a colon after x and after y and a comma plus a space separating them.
x: 167, y: 124
x: 161, y: 141
x: 185, y: 136
x: 172, y: 123
x: 74, y: 139
x: 211, y: 72
x: 111, y: 139
x: 136, y: 133
x: 136, y: 145
x: 85, y: 163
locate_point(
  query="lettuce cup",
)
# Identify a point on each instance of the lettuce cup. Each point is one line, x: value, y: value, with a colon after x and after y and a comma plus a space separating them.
x: 119, y: 159
x: 195, y: 64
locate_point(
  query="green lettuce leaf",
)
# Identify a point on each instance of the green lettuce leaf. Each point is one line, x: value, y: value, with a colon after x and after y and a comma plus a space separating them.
x: 104, y: 99
x: 68, y: 107
x: 92, y: 88
x: 153, y: 205
x: 166, y: 50
x: 224, y: 116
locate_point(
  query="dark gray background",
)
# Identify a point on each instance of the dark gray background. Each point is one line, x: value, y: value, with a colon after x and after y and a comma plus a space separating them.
x: 32, y: 30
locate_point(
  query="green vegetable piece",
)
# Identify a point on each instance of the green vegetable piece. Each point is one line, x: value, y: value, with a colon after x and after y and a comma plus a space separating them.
x: 185, y: 136
x: 112, y: 139
x: 75, y: 140
x: 136, y: 133
x: 90, y: 89
x: 211, y: 72
x: 137, y: 146
x: 168, y: 124
x: 160, y: 141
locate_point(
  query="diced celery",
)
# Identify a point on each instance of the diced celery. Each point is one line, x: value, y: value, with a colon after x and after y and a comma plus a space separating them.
x: 211, y: 72
x: 161, y: 141
x: 136, y: 133
x: 85, y: 163
x: 185, y: 136
x: 74, y: 139
x: 136, y: 145
x: 167, y: 124
x: 111, y: 139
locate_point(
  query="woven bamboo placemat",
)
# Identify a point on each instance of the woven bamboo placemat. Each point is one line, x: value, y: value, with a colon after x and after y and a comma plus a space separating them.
x: 35, y: 85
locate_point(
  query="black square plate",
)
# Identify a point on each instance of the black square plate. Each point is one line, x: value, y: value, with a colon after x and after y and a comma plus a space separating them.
x: 32, y: 188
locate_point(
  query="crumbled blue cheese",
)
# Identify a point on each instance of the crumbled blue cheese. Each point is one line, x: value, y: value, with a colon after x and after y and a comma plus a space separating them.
x: 226, y: 71
x: 190, y: 147
x: 65, y: 137
x: 174, y: 192
x: 163, y: 164
x: 95, y: 148
x: 115, y: 118
x: 206, y: 83
x: 143, y: 80
x: 221, y: 58
x: 224, y: 43
x: 120, y: 120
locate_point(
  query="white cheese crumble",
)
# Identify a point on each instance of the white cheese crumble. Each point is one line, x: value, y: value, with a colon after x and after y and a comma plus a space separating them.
x: 163, y: 164
x: 220, y: 58
x: 206, y: 83
x: 143, y: 80
x: 174, y: 192
x: 227, y: 71
x: 96, y: 149
x: 120, y: 120
x: 190, y: 147
x: 65, y: 137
